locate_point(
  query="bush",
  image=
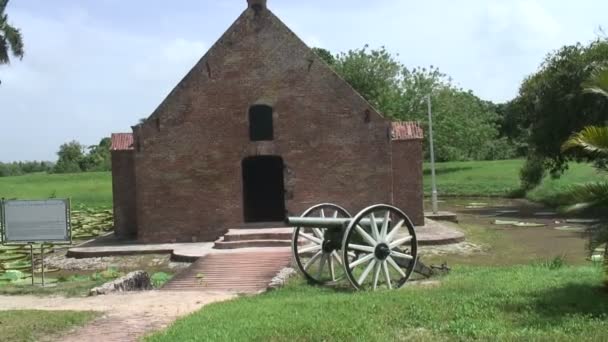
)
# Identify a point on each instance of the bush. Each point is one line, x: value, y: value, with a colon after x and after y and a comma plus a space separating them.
x: 532, y: 173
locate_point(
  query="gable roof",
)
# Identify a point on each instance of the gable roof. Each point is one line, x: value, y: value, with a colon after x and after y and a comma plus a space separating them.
x: 406, y: 130
x: 122, y: 142
x: 215, y: 60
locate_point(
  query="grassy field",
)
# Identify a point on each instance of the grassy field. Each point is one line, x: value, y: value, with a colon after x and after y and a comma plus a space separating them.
x: 91, y: 189
x: 534, y: 302
x: 27, y: 325
x: 500, y: 178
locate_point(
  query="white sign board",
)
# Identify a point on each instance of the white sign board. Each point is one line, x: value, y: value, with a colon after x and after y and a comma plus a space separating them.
x: 36, y: 221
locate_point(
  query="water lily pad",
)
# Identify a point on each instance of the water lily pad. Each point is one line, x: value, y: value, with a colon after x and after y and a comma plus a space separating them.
x: 545, y: 213
x: 475, y: 207
x: 583, y: 221
x: 597, y: 258
x: 570, y: 228
x: 507, y: 211
x: 529, y: 224
x: 478, y: 204
x: 12, y: 275
x: 505, y: 223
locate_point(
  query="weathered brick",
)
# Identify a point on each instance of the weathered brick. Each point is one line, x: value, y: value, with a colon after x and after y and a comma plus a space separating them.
x: 334, y: 145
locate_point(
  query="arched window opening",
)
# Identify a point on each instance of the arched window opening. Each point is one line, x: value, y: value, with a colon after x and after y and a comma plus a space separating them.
x: 260, y: 123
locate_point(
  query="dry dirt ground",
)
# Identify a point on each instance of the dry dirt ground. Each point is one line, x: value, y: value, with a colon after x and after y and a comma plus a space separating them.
x: 127, y: 317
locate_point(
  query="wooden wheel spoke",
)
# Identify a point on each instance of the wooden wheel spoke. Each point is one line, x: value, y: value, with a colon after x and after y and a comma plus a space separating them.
x: 335, y: 255
x: 332, y: 272
x: 310, y: 238
x: 399, y: 242
x: 387, y: 276
x: 366, y: 271
x: 360, y: 261
x: 321, y: 265
x: 376, y: 275
x: 318, y: 233
x: 361, y: 248
x: 310, y: 249
x: 312, y: 260
x: 401, y: 255
x: 394, y: 265
x: 374, y: 226
x: 384, y: 228
x: 394, y: 231
x: 370, y: 240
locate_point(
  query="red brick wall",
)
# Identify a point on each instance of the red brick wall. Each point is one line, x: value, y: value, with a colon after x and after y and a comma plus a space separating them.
x: 123, y: 192
x: 335, y: 147
x: 407, y: 178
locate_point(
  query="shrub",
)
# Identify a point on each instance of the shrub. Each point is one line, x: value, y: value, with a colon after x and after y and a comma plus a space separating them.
x: 532, y: 173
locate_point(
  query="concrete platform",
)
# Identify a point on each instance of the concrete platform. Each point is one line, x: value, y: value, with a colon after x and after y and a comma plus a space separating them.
x: 432, y: 233
x: 435, y: 233
x: 442, y: 216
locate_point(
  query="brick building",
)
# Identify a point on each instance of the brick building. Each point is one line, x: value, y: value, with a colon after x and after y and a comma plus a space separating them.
x: 259, y: 127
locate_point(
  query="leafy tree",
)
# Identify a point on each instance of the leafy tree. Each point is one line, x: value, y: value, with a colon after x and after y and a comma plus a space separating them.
x: 465, y: 126
x: 98, y: 158
x: 593, y: 141
x: 70, y: 158
x: 551, y: 104
x: 11, y: 41
x: 375, y: 74
x: 325, y: 55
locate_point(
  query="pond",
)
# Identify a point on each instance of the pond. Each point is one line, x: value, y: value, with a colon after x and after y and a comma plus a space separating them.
x: 514, y: 231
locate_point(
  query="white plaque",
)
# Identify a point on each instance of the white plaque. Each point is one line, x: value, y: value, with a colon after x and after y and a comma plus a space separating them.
x: 36, y: 221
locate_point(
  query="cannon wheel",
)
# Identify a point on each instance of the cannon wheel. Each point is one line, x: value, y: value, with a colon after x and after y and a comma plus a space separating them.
x: 386, y: 248
x: 318, y: 259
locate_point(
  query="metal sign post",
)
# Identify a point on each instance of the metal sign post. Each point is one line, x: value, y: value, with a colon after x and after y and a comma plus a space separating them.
x: 41, y: 263
x: 32, y: 260
x: 433, y: 182
x: 28, y: 222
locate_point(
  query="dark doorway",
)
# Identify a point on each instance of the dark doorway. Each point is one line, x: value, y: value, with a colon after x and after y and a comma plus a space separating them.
x: 263, y: 191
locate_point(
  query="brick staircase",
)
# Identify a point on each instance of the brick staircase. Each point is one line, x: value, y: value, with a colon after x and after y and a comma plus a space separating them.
x: 261, y: 237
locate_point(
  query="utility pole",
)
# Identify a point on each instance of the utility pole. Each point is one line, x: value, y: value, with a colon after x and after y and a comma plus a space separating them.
x: 433, y: 182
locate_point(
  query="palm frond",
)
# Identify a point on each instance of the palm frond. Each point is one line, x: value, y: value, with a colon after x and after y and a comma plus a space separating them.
x: 598, y: 82
x: 589, y: 197
x: 3, y: 51
x: 592, y: 139
x: 15, y: 41
x: 3, y: 4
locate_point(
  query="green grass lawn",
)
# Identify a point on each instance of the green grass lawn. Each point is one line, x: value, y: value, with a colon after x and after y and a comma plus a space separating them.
x: 91, y: 188
x: 531, y: 302
x: 500, y: 178
x: 28, y: 325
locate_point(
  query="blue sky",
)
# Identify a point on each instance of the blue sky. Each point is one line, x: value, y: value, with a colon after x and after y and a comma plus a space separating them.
x: 93, y: 67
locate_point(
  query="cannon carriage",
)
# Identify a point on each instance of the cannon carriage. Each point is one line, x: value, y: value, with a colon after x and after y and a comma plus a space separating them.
x: 377, y: 248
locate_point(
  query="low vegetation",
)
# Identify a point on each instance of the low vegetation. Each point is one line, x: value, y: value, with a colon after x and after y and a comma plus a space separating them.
x: 534, y: 302
x: 500, y: 178
x: 28, y: 325
x: 92, y: 189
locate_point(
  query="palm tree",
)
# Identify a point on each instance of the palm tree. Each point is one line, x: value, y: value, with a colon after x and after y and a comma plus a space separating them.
x: 593, y: 142
x: 10, y: 37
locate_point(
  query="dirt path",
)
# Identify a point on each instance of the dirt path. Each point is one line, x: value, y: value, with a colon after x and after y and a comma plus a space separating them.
x: 127, y: 317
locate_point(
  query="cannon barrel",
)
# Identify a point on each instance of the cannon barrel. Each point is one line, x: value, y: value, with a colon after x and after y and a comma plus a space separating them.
x: 326, y: 222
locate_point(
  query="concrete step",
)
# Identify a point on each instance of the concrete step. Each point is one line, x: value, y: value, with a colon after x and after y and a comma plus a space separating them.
x: 258, y: 234
x: 222, y: 244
